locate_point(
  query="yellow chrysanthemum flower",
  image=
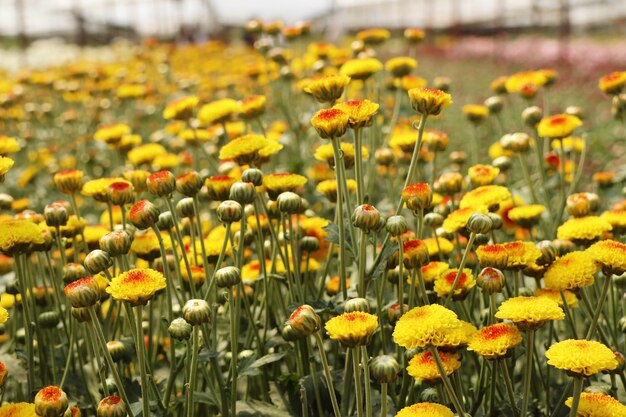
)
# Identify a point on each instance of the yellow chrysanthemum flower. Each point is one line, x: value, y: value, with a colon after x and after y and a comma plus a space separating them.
x: 360, y: 112
x: 361, y: 68
x: 330, y: 123
x: 18, y: 410
x: 495, y: 341
x: 458, y: 218
x: 8, y: 145
x: 443, y: 284
x: 439, y: 246
x: 400, y: 66
x: 529, y: 313
x: 329, y: 188
x: 516, y: 83
x: 582, y: 358
x: 613, y: 83
x: 111, y: 134
x: 352, y: 329
x: 432, y: 270
x: 597, y: 405
x: 610, y: 255
x: 425, y: 410
x: 423, y: 366
x: 558, y: 126
x: 165, y: 161
x: 136, y: 286
x: 570, y: 297
x: 219, y: 111
x: 403, y: 139
x: 570, y: 143
x: 475, y: 112
x: 328, y: 88
x: 281, y: 182
x: 4, y: 315
x: 480, y: 175
x: 616, y: 218
x: 325, y: 153
x: 409, y: 82
x: 426, y: 326
x: 244, y: 149
x: 586, y: 228
x: 488, y: 196
x: 373, y: 36
x: 144, y: 154
x: 17, y: 235
x: 98, y: 188
x: 526, y: 216
x: 181, y: 108
x: 429, y: 101
x: 521, y: 254
x: 571, y: 271
x: 5, y: 165
x: 252, y: 107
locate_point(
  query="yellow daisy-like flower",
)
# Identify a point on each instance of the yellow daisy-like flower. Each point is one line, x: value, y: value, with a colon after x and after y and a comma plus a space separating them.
x: 458, y: 218
x: 554, y: 295
x: 571, y: 271
x: 584, y: 229
x: 329, y: 188
x: 526, y: 216
x: 98, y: 188
x: 275, y: 184
x: 181, y: 108
x: 136, y: 286
x: 8, y: 145
x: 327, y: 89
x: 132, y: 91
x: 219, y: 111
x: 521, y: 254
x: 146, y: 245
x: 423, y: 366
x: 111, y: 134
x: 403, y: 139
x: 196, y: 136
x: 495, y: 341
x: 17, y: 235
x: 361, y: 68
x: 425, y: 410
x: 443, y: 284
x: 582, y: 358
x: 426, y: 326
x: 373, y: 36
x: 352, y: 329
x: 4, y: 315
x: 325, y: 153
x: 165, y: 161
x: 482, y: 174
x: 558, y: 126
x: 18, y: 410
x: 251, y: 271
x: 476, y: 112
x: 5, y: 165
x: 252, y: 107
x: 529, y: 313
x: 613, y: 83
x: 333, y: 285
x: 218, y: 187
x: 272, y: 148
x: 244, y: 149
x: 610, y: 255
x: 518, y: 82
x: 439, y: 246
x: 432, y: 270
x: 570, y: 143
x: 616, y: 218
x: 429, y: 101
x: 400, y: 66
x: 495, y: 256
x: 409, y: 82
x: 330, y: 123
x: 597, y: 405
x: 360, y: 112
x: 145, y: 154
x: 488, y: 196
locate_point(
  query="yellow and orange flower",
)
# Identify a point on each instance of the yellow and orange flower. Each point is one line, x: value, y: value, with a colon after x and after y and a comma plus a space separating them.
x: 423, y: 366
x: 429, y: 101
x: 181, y: 108
x: 136, y: 286
x: 583, y: 229
x: 352, y: 329
x: 572, y: 271
x: 480, y: 175
x: 218, y: 112
x: 425, y: 410
x: 495, y: 341
x: 529, y: 313
x: 595, y: 404
x: 558, y: 126
x: 613, y: 83
x: 360, y: 112
x: 582, y: 358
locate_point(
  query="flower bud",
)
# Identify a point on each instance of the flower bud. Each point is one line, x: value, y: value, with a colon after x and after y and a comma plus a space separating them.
x: 120, y: 193
x: 143, y: 214
x: 396, y: 311
x: 196, y: 312
x: 417, y: 196
x: 356, y: 304
x: 516, y: 142
x: 433, y: 220
x: 495, y: 256
x: 116, y: 243
x: 72, y: 272
x: 184, y: 207
x: 384, y: 369
x: 55, y: 214
x: 49, y: 319
x: 532, y: 115
x: 494, y: 104
x: 496, y: 221
x: 397, y: 225
x: 450, y: 183
x: 290, y: 334
x: 189, y: 183
x: 431, y: 395
x: 81, y: 314
x: 309, y: 244
x: 479, y: 223
x: 289, y: 203
x: 579, y: 204
x: 227, y: 277
x: 490, y: 280
x: 304, y: 320
x: 229, y: 211
x: 179, y: 329
x: 415, y: 253
x: 242, y: 192
x: 51, y: 401
x: 97, y: 261
x: 161, y: 184
x: 481, y: 239
x: 84, y: 292
x: 384, y: 156
x: 575, y: 111
x: 111, y: 406
x: 253, y: 176
x: 366, y: 217
x: 429, y: 101
x: 549, y: 252
x: 166, y: 221
x: 502, y: 163
x: 117, y: 350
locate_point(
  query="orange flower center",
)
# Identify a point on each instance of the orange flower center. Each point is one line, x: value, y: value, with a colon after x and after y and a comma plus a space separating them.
x: 51, y: 393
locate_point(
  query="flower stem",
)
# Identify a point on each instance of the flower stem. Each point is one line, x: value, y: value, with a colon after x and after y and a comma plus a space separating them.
x: 145, y: 397
x: 357, y: 381
x: 358, y: 167
x: 329, y: 378
x: 508, y: 384
x: 362, y: 256
x: 368, y: 387
x: 233, y: 349
x: 383, y: 400
x: 194, y: 369
x: 446, y: 382
x: 530, y: 347
x: 340, y: 222
x: 468, y: 248
x: 598, y: 311
x: 578, y: 388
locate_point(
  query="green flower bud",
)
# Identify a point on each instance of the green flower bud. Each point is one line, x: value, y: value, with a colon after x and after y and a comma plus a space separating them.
x: 494, y: 104
x: 116, y: 243
x: 229, y: 211
x: 166, y: 221
x: 433, y: 220
x: 366, y: 217
x: 481, y: 239
x: 184, y: 207
x: 479, y: 223
x: 118, y: 351
x: 502, y: 162
x: 304, y: 321
x: 396, y: 311
x: 84, y: 292
x: 309, y: 244
x: 490, y: 280
x: 242, y: 192
x: 290, y: 334
x: 356, y: 304
x: 120, y: 193
x: 397, y: 225
x: 532, y: 115
x: 51, y: 401
x: 496, y: 221
x: 49, y: 319
x: 196, y: 312
x: 143, y: 214
x: 73, y: 271
x: 111, y: 406
x: 179, y: 329
x: 227, y: 277
x: 161, y: 184
x: 56, y: 215
x: 189, y: 183
x: 549, y: 252
x: 384, y: 369
x: 289, y: 203
x: 252, y: 175
x: 430, y: 395
x: 81, y: 314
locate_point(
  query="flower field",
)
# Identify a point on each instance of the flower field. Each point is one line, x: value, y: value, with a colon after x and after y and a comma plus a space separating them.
x: 306, y: 228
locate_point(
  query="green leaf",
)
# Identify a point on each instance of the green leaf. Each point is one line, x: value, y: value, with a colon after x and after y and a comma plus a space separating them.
x: 333, y: 237
x: 253, y: 367
x: 386, y: 252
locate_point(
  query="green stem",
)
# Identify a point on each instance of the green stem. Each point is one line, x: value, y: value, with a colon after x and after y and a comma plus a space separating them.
x: 362, y: 256
x: 194, y: 369
x: 446, y: 382
x: 357, y: 381
x: 340, y: 222
x: 383, y: 400
x: 578, y: 388
x: 358, y: 167
x: 598, y: 311
x: 233, y: 349
x: 530, y: 347
x: 368, y: 386
x: 508, y: 384
x: 468, y: 248
x: 145, y: 397
x: 327, y: 375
